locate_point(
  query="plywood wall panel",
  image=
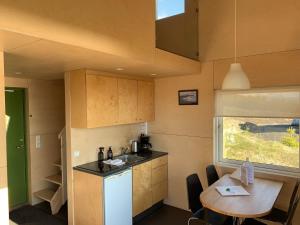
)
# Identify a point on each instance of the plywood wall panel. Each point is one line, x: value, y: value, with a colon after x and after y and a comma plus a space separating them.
x: 88, y: 141
x: 3, y: 163
x: 118, y: 27
x: 268, y: 26
x: 46, y: 106
x: 262, y: 27
x: 171, y: 118
x: 185, y: 132
x: 2, y: 115
x: 216, y: 29
x: 16, y: 82
x: 77, y: 94
x: 267, y: 70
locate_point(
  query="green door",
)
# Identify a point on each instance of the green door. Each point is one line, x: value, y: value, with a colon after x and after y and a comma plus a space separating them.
x: 16, y: 146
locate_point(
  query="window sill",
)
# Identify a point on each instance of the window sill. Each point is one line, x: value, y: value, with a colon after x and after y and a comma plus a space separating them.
x: 275, y: 172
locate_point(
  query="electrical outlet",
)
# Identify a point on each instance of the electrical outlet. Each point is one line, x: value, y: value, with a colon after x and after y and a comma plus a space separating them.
x: 76, y: 154
x: 37, y: 141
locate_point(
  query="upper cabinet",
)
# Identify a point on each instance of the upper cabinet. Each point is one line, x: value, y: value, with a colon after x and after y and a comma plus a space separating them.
x: 98, y: 100
x: 145, y: 110
x: 128, y: 100
x: 102, y: 100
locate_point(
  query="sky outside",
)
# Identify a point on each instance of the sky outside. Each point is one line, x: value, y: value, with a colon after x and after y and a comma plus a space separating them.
x: 167, y: 8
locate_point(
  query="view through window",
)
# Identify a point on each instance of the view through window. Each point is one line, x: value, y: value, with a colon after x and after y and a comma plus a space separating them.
x: 268, y: 141
x: 167, y: 8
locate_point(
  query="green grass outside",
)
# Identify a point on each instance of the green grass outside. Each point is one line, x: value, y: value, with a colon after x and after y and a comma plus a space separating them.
x: 240, y: 144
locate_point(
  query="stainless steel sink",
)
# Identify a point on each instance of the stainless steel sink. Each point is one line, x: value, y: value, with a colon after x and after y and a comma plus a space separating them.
x: 129, y: 158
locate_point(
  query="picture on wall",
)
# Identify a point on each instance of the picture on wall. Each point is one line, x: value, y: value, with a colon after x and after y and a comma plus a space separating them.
x: 188, y: 97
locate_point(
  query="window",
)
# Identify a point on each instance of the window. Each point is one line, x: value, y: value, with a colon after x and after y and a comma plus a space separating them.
x: 167, y: 8
x: 262, y: 125
x: 268, y: 142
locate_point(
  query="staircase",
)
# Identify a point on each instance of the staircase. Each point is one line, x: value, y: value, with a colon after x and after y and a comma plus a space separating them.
x: 57, y: 197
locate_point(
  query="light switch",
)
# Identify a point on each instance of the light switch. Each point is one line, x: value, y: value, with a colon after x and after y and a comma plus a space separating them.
x: 76, y: 154
x: 37, y: 141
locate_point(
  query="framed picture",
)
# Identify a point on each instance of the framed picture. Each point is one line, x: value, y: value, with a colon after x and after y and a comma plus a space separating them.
x: 188, y: 97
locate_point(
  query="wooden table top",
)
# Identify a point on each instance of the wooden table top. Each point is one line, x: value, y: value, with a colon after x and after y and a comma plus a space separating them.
x: 263, y: 194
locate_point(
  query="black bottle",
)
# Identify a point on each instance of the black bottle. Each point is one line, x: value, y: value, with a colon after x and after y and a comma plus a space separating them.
x: 101, y: 154
x: 109, y: 153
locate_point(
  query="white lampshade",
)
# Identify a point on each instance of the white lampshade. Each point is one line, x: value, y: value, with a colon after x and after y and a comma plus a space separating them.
x: 236, y: 78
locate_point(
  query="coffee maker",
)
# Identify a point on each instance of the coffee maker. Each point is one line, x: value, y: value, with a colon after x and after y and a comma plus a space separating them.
x: 145, y: 145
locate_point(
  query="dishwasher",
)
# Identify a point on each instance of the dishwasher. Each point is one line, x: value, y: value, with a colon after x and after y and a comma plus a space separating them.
x: 118, y: 198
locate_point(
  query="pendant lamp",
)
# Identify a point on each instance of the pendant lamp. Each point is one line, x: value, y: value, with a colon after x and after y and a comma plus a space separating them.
x: 236, y: 78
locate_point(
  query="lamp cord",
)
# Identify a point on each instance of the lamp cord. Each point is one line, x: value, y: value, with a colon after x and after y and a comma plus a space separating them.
x: 235, y: 25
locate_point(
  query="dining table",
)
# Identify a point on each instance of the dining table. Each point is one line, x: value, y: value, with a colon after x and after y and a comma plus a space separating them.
x: 262, y: 196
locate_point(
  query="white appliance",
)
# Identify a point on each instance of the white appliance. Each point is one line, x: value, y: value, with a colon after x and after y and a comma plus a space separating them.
x: 118, y: 198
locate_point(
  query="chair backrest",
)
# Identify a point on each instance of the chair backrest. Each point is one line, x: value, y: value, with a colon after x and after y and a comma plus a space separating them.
x: 212, y: 175
x: 295, y: 191
x: 292, y: 211
x: 194, y: 189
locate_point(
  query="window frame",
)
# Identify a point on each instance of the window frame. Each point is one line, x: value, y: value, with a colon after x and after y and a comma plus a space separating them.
x: 259, y: 167
x: 156, y: 12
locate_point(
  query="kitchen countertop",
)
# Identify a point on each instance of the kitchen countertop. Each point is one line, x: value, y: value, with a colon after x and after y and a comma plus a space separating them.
x: 103, y: 170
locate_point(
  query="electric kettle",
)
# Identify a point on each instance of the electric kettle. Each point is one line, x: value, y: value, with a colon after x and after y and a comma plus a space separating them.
x: 134, y: 146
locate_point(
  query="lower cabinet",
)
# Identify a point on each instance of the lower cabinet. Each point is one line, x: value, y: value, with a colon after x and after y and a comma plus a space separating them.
x: 150, y: 184
x: 88, y: 199
x: 142, y: 194
x: 159, y: 183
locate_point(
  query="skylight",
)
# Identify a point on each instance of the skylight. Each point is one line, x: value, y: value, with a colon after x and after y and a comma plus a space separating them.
x: 167, y: 8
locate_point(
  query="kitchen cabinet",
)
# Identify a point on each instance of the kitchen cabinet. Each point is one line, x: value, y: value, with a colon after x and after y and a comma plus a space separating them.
x: 142, y: 194
x: 102, y: 100
x: 88, y: 199
x: 150, y: 184
x: 128, y: 95
x: 159, y: 181
x: 98, y: 99
x: 134, y: 189
x: 145, y: 101
x: 99, y: 201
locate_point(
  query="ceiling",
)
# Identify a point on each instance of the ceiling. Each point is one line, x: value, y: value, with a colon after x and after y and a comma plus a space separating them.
x: 30, y: 57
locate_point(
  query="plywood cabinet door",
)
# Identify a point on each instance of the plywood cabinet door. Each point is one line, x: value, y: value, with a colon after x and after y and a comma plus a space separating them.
x: 159, y: 179
x: 102, y: 101
x: 127, y: 91
x: 88, y: 199
x: 142, y: 193
x: 145, y: 101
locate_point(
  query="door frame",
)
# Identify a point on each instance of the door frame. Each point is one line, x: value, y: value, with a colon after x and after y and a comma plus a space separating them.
x: 27, y: 141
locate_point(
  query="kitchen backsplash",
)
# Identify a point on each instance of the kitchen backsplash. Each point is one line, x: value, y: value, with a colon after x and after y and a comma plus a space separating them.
x: 85, y: 142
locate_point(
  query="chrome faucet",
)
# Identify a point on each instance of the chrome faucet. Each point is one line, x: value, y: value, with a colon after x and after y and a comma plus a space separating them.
x: 124, y: 150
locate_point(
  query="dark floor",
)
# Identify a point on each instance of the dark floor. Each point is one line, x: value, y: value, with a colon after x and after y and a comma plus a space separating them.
x: 40, y: 215
x: 167, y: 215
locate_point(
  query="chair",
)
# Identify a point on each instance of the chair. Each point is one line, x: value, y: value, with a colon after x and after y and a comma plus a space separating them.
x: 288, y: 221
x: 212, y: 175
x: 194, y: 189
x: 278, y: 215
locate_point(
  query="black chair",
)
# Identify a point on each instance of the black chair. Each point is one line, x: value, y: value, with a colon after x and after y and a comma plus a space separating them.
x: 212, y: 175
x: 278, y: 215
x: 194, y: 189
x: 288, y: 221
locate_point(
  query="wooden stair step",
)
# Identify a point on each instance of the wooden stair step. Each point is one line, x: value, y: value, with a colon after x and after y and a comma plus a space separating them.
x: 46, y: 194
x: 56, y: 179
